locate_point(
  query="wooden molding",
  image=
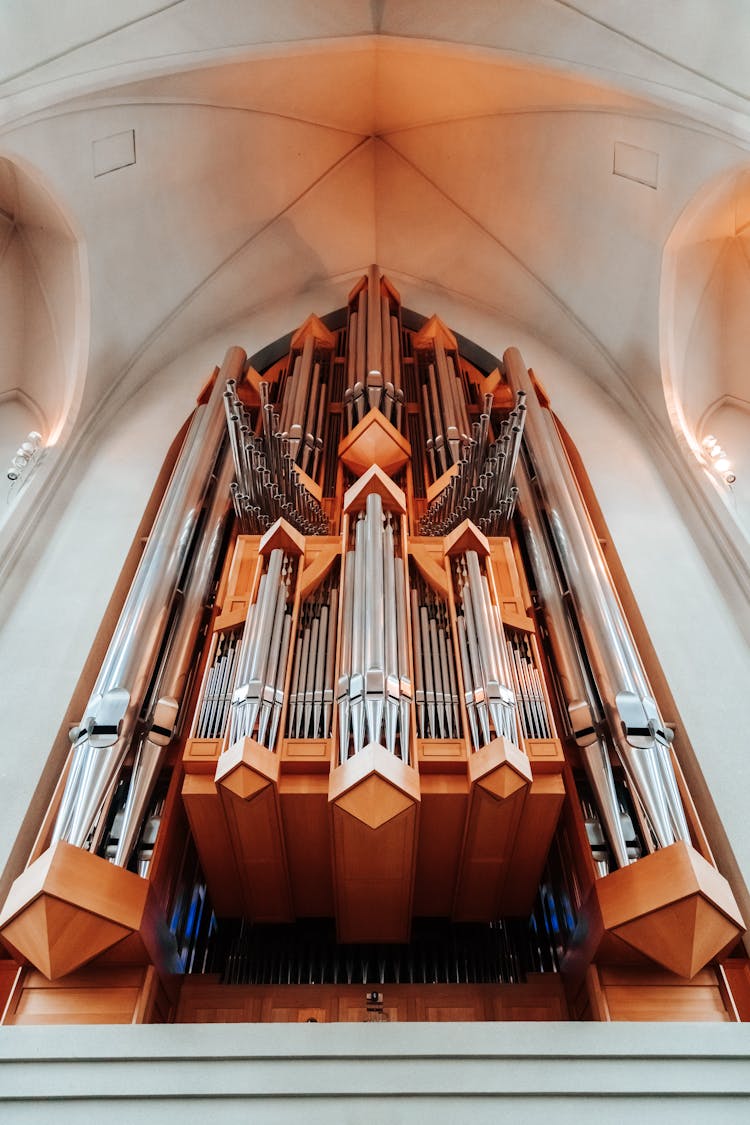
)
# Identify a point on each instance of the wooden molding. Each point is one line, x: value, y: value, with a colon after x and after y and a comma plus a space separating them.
x: 466, y: 537
x: 432, y: 330
x: 282, y: 535
x: 375, y: 479
x: 314, y: 327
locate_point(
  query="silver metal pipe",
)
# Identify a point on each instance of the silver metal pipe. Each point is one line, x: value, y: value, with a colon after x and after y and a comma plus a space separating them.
x: 391, y: 629
x: 169, y: 693
x: 345, y: 665
x: 374, y: 631
x: 110, y: 716
x: 637, y: 728
x: 404, y: 679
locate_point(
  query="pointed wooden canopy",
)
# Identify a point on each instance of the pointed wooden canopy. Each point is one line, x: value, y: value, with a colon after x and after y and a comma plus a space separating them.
x: 434, y: 330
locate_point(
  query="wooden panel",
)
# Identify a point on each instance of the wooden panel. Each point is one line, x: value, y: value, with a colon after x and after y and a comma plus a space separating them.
x: 442, y: 821
x: 374, y: 800
x: 247, y: 779
x: 441, y: 755
x: 500, y: 777
x: 509, y: 588
x: 201, y: 755
x: 545, y: 754
x: 208, y: 825
x: 306, y: 755
x: 736, y: 973
x: 242, y: 577
x: 307, y: 831
x: 8, y: 973
x: 204, y: 1000
x: 536, y: 827
x: 652, y: 994
x: 92, y: 995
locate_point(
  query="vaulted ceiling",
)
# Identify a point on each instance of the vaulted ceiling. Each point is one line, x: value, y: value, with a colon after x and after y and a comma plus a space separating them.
x: 201, y: 160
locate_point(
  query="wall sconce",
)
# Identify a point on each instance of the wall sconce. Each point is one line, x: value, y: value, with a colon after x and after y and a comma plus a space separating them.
x: 25, y: 456
x: 717, y: 459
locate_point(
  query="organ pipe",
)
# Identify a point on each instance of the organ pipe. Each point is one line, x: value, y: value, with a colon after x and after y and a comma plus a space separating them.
x: 638, y: 730
x: 102, y: 739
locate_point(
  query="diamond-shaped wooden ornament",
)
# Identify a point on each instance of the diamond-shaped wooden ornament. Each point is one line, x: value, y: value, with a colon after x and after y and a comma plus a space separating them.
x: 246, y: 769
x: 375, y: 788
x: 673, y: 906
x: 374, y: 441
x: 68, y: 907
x: 500, y: 769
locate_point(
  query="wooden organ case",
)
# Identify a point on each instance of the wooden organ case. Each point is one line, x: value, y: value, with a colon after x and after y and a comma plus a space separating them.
x: 372, y: 739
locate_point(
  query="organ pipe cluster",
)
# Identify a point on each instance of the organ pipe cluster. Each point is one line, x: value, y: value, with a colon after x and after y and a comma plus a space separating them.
x: 310, y: 711
x: 374, y: 690
x: 527, y: 685
x: 435, y: 682
x: 490, y: 701
x: 482, y: 488
x: 136, y: 703
x: 216, y: 696
x: 373, y: 361
x: 303, y: 397
x: 267, y: 484
x: 258, y: 697
x: 445, y: 413
x: 616, y: 709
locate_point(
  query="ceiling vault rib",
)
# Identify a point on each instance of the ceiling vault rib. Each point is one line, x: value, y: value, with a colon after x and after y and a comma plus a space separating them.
x: 592, y: 338
x: 156, y: 332
x: 571, y: 7
x: 90, y: 42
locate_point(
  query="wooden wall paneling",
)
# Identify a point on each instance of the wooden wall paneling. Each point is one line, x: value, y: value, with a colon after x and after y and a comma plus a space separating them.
x: 637, y: 994
x: 307, y: 833
x: 536, y: 828
x: 442, y: 823
x: 511, y: 596
x: 95, y: 994
x: 247, y: 778
x: 735, y: 972
x: 500, y: 777
x: 205, y: 813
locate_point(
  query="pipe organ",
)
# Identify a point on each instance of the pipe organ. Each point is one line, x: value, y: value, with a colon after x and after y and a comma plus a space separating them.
x: 373, y: 717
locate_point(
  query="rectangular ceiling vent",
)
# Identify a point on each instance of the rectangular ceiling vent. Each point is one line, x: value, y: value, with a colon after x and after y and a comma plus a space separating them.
x: 111, y: 153
x: 637, y: 164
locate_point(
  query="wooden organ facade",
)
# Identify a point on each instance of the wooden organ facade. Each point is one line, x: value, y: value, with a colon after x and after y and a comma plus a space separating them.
x: 372, y: 739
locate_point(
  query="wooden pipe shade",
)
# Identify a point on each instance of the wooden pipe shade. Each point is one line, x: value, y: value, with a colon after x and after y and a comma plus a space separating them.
x: 500, y: 776
x: 70, y: 906
x: 247, y: 778
x: 374, y: 800
x: 671, y: 906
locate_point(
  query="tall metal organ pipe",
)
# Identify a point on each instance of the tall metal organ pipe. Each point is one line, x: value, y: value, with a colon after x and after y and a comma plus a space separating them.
x: 108, y: 723
x: 582, y: 704
x: 168, y: 693
x: 637, y: 728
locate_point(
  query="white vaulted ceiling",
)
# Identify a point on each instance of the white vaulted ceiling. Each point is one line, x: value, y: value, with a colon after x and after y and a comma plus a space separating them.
x: 467, y: 148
